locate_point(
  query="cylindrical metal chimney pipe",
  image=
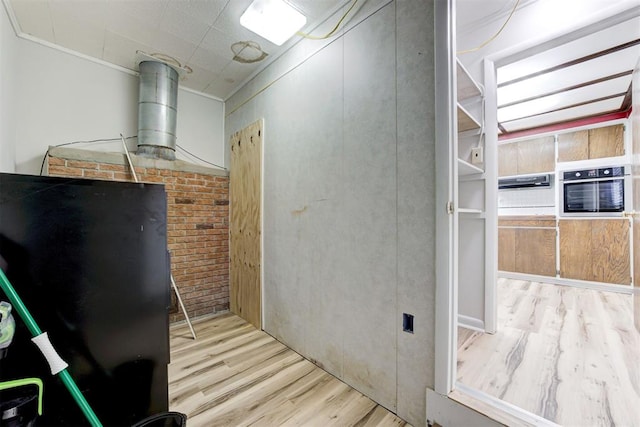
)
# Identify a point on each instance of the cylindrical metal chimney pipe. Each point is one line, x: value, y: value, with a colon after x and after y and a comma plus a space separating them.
x: 157, y: 110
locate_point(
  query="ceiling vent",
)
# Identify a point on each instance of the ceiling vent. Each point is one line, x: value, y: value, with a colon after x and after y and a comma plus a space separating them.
x: 248, y: 52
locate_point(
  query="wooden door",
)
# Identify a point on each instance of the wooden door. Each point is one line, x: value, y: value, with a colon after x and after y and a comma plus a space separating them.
x: 536, y: 251
x: 575, y: 249
x: 596, y: 250
x: 610, y: 251
x: 606, y: 142
x: 508, y: 159
x: 537, y: 155
x: 245, y: 230
x: 506, y: 249
x: 573, y: 146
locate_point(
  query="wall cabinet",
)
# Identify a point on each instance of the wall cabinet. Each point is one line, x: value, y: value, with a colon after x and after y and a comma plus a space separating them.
x: 595, y: 250
x: 526, y: 157
x: 527, y: 245
x: 591, y: 144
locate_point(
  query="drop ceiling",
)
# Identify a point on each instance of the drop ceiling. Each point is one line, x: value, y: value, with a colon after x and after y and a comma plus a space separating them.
x: 197, y: 33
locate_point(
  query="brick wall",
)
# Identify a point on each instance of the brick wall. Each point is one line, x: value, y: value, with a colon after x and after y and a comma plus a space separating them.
x: 197, y: 221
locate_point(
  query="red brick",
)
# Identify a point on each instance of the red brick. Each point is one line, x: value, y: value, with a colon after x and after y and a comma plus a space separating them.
x: 81, y: 164
x: 64, y: 171
x: 56, y: 161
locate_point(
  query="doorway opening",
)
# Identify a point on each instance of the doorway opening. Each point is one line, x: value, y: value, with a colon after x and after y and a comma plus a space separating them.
x: 553, y: 342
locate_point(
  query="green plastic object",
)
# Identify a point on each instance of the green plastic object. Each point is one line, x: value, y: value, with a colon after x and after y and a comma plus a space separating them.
x: 33, y: 327
x: 23, y: 382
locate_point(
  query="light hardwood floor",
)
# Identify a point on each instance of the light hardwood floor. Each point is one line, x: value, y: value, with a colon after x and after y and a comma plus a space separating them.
x: 567, y: 354
x: 235, y: 375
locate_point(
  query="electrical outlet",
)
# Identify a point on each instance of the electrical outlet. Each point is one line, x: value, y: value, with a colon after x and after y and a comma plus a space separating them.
x: 407, y: 322
x: 477, y: 155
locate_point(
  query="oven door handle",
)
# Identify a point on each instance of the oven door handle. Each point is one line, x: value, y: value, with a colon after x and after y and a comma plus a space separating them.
x: 586, y: 181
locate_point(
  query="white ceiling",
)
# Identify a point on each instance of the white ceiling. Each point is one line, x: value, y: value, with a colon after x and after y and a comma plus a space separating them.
x: 569, y: 78
x: 582, y: 78
x: 197, y: 33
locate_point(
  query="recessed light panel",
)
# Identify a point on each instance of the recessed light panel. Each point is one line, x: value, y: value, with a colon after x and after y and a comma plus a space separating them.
x: 275, y: 20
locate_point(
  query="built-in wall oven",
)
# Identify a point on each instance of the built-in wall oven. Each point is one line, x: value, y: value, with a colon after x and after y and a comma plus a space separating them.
x: 594, y: 192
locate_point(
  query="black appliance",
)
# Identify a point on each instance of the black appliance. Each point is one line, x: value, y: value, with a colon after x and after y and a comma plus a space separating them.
x: 599, y: 191
x: 524, y: 182
x: 89, y: 259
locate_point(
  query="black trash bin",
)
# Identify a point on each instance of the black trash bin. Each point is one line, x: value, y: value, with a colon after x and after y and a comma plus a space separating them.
x: 165, y: 419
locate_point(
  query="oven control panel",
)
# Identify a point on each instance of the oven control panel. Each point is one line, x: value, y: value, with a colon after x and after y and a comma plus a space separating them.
x: 594, y: 173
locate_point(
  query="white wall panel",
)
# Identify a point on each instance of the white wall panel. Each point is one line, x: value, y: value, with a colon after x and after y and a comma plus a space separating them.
x: 349, y: 200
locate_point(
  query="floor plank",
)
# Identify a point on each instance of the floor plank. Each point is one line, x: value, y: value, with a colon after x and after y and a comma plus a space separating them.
x: 567, y: 354
x: 235, y: 375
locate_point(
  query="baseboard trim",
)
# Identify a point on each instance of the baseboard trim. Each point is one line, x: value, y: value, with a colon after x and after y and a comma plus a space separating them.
x: 607, y: 287
x: 470, y: 323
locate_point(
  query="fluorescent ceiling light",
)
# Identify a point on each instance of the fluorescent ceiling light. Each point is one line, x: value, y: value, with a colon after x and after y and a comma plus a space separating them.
x: 275, y: 20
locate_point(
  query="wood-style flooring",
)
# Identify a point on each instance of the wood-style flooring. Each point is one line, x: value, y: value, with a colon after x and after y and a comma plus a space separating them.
x: 567, y: 354
x: 236, y: 375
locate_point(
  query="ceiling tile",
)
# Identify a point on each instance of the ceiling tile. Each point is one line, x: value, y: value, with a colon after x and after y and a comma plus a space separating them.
x: 203, y: 10
x: 34, y: 17
x: 92, y: 12
x: 77, y: 34
x: 207, y: 59
x: 238, y: 72
x: 218, y: 42
x: 131, y: 27
x: 147, y: 10
x: 198, y: 79
x: 220, y: 88
x: 122, y: 51
x: 183, y: 26
x: 173, y: 46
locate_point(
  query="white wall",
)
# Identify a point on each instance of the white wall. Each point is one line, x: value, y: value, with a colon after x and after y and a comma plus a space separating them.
x: 7, y: 91
x: 349, y: 141
x: 59, y: 98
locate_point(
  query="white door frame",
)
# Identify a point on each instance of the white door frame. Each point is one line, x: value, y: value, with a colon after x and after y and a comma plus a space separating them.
x: 446, y: 311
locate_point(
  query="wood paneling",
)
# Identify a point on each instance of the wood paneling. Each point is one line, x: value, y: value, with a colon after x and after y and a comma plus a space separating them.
x: 610, y: 251
x: 235, y: 375
x: 528, y: 222
x: 535, y: 251
x: 606, y: 142
x: 536, y: 155
x: 245, y: 225
x: 525, y: 157
x: 508, y: 159
x: 575, y: 249
x: 527, y: 245
x: 595, y: 250
x: 573, y: 146
x: 506, y: 249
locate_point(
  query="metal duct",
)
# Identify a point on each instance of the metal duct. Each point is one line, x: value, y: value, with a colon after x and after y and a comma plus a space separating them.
x: 157, y: 110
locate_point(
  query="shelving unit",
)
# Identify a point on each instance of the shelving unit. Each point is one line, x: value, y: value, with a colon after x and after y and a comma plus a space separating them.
x: 470, y: 201
x: 465, y: 168
x: 466, y: 121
